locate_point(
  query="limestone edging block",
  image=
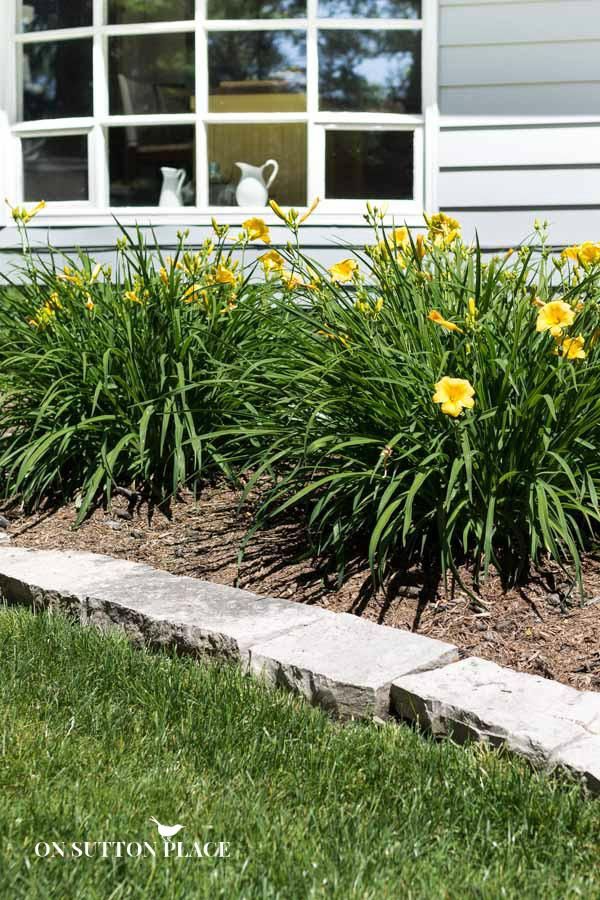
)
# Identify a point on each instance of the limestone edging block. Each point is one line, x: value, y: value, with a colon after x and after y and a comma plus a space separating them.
x: 150, y: 605
x: 346, y: 664
x: 550, y: 723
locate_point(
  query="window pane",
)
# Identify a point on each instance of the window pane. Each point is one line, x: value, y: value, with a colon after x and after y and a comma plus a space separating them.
x: 370, y: 71
x: 371, y: 9
x: 254, y: 145
x: 137, y: 156
x: 369, y: 165
x: 57, y: 79
x: 152, y: 74
x: 257, y: 71
x: 55, y: 168
x: 256, y: 9
x: 123, y: 11
x: 39, y: 15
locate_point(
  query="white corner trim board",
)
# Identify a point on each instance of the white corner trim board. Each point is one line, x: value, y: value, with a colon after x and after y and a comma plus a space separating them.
x: 352, y: 668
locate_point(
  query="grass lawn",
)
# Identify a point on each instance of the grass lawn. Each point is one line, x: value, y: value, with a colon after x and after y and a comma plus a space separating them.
x: 95, y: 737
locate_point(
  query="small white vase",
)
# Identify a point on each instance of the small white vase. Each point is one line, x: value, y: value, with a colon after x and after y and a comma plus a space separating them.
x: 252, y: 189
x: 172, y: 186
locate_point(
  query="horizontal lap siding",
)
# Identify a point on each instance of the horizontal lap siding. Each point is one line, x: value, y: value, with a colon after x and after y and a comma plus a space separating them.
x: 325, y: 244
x: 505, y: 60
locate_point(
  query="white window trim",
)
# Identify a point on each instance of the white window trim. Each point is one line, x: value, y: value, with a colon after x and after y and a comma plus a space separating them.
x: 96, y: 211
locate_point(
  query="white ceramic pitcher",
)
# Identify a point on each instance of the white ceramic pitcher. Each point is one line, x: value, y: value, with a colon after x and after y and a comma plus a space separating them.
x: 172, y: 186
x: 252, y: 189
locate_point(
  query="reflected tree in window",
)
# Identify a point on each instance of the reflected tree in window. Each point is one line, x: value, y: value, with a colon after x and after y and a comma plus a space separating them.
x: 40, y: 15
x: 370, y: 71
x: 367, y: 9
x: 251, y: 64
x: 57, y: 79
x: 123, y: 11
x: 256, y: 9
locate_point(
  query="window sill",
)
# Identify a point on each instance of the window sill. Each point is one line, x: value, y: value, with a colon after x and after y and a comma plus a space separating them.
x: 85, y: 216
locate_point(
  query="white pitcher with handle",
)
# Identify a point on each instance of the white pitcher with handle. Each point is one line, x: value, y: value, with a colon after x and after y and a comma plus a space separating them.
x: 172, y: 185
x: 252, y: 189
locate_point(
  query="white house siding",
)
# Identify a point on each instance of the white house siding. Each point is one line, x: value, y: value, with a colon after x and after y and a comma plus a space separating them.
x: 519, y: 93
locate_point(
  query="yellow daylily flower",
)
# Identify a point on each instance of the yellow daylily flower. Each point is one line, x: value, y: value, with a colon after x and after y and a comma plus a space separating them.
x: 454, y: 395
x: 223, y: 275
x: 257, y: 229
x: 272, y: 261
x: 554, y: 316
x: 277, y: 210
x: 309, y: 211
x: 189, y: 295
x: 343, y: 339
x: 89, y: 303
x: 95, y: 272
x: 420, y: 246
x: 443, y: 229
x: 291, y: 280
x: 589, y: 254
x: 21, y: 214
x: 133, y: 297
x: 572, y: 348
x: 571, y: 253
x: 71, y: 276
x: 344, y: 270
x: 164, y: 275
x: 231, y: 305
x: 401, y: 237
x: 437, y: 317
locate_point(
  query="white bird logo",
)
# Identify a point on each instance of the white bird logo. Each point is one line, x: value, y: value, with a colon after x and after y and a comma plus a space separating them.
x: 166, y: 831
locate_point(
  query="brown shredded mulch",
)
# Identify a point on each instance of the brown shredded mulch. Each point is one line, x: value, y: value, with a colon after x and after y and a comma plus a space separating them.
x: 540, y: 628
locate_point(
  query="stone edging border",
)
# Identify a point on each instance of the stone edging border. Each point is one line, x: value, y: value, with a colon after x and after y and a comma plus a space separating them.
x: 350, y: 667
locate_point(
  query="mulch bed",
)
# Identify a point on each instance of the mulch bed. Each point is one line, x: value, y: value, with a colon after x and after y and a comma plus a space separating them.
x: 537, y: 628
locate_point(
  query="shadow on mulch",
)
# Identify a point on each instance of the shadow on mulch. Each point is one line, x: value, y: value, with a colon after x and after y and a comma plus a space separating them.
x: 530, y: 627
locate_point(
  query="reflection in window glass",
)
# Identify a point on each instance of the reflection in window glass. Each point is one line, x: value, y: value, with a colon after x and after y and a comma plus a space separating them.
x: 256, y: 9
x: 123, y: 11
x: 254, y: 145
x: 55, y: 168
x: 136, y: 157
x: 41, y: 15
x: 369, y: 165
x: 370, y: 71
x: 57, y: 79
x: 371, y: 9
x: 151, y: 74
x: 257, y: 71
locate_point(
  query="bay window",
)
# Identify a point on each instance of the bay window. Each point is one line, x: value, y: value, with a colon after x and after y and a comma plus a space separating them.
x: 107, y: 99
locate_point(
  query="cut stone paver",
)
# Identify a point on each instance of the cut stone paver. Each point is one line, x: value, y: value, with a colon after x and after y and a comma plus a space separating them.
x: 346, y: 664
x: 549, y: 723
x: 151, y: 606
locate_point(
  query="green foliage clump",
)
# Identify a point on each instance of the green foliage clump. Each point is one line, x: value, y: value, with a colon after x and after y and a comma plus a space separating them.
x: 112, y: 377
x: 429, y: 402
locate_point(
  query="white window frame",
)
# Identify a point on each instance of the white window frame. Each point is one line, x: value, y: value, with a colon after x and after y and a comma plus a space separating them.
x: 97, y: 210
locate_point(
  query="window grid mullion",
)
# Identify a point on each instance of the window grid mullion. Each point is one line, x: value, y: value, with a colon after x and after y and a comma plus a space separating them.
x: 201, y: 89
x: 98, y: 167
x: 315, y: 155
